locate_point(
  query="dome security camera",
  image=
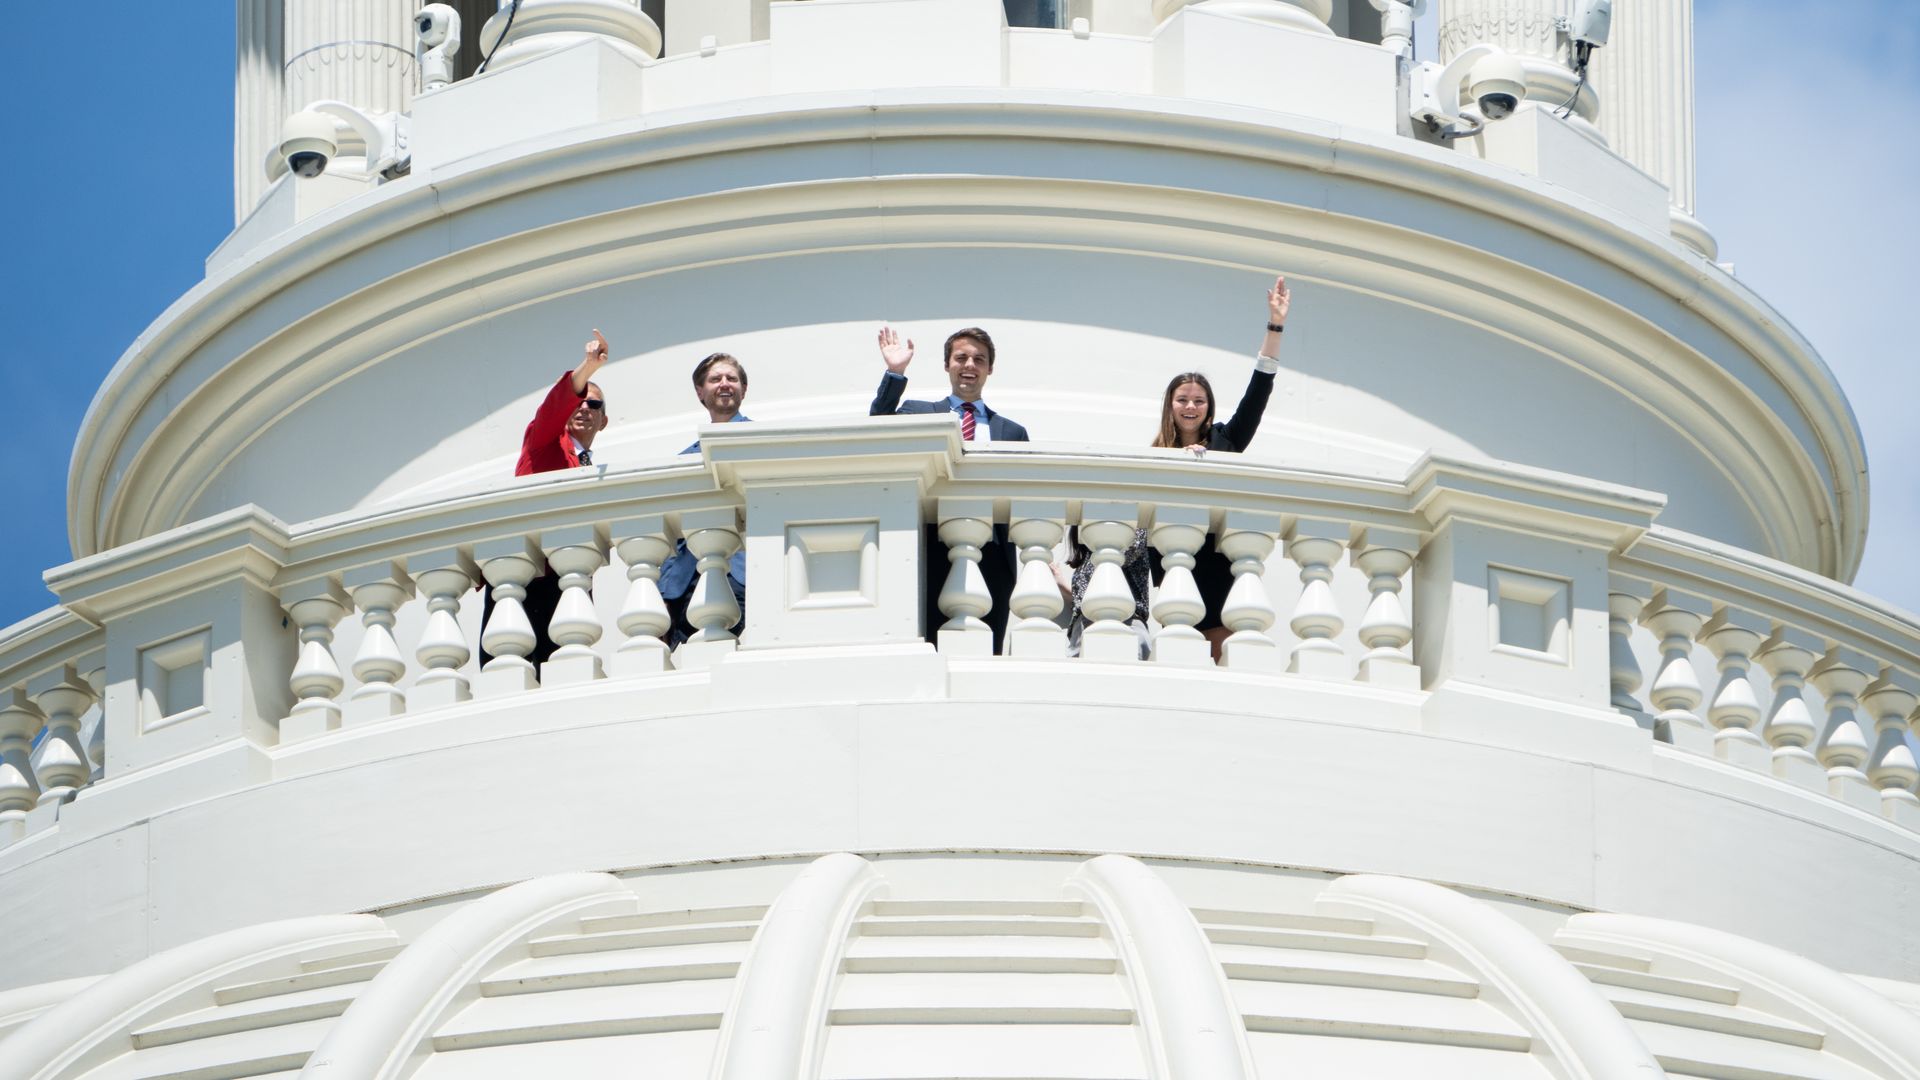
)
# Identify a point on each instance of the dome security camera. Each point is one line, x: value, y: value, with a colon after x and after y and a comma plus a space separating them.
x: 307, y: 143
x: 1498, y: 84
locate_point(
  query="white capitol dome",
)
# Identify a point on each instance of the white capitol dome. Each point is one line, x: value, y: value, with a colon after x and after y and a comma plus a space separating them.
x: 1550, y: 740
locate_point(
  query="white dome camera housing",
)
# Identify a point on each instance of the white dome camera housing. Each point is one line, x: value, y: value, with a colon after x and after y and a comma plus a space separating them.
x: 1497, y: 83
x: 307, y: 143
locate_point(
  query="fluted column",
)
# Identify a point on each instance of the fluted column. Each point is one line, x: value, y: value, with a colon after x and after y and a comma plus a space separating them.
x: 443, y: 577
x: 576, y: 554
x: 1842, y: 675
x: 379, y: 665
x: 1106, y: 529
x: 1733, y: 636
x: 1034, y: 527
x: 1677, y: 617
x: 965, y: 526
x: 643, y: 545
x: 1385, y: 556
x: 356, y: 51
x: 314, y: 608
x: 1178, y: 533
x: 1247, y: 538
x: 62, y: 766
x: 19, y: 790
x: 260, y: 41
x: 1646, y: 76
x: 1890, y: 701
x: 1787, y: 656
x: 1528, y: 29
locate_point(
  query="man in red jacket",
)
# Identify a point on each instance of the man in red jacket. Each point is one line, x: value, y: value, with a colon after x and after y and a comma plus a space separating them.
x: 560, y: 436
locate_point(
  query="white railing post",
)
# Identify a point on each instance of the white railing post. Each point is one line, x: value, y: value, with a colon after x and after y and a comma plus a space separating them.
x: 94, y: 670
x: 1787, y: 656
x: 1033, y: 632
x: 1626, y: 599
x: 62, y: 767
x: 377, y: 590
x: 1843, y: 748
x: 642, y: 543
x: 443, y: 577
x: 1891, y: 700
x: 508, y: 564
x: 965, y: 526
x: 1316, y: 621
x: 1107, y: 529
x: 1385, y: 556
x: 19, y: 722
x: 314, y: 607
x: 1677, y: 617
x: 1247, y: 538
x: 1733, y: 635
x: 1178, y: 533
x: 576, y: 554
x: 713, y: 536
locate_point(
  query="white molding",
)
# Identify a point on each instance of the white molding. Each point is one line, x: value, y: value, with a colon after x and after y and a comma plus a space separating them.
x: 776, y: 1022
x: 1703, y: 401
x: 1578, y: 1028
x: 1861, y: 1026
x: 94, y: 1026
x: 386, y: 1031
x: 1187, y: 1013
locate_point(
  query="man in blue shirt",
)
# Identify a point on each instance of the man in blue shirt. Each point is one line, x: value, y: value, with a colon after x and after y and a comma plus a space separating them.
x: 969, y: 362
x: 720, y: 382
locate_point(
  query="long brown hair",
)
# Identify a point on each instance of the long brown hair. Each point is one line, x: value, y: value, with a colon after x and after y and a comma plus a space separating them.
x: 1169, y: 434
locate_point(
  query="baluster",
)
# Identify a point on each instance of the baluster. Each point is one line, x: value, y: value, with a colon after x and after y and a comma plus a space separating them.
x: 1107, y: 529
x: 1178, y: 533
x: 1247, y: 538
x: 1626, y: 599
x: 1316, y: 620
x: 1843, y: 748
x: 19, y: 790
x: 1787, y: 655
x: 1890, y: 701
x: 644, y: 547
x: 508, y: 565
x: 1677, y: 617
x: 62, y: 767
x: 94, y: 670
x: 379, y: 664
x: 1733, y: 636
x: 965, y: 525
x: 314, y: 607
x: 1035, y: 606
x: 1385, y: 556
x: 713, y: 536
x: 576, y: 554
x: 443, y: 577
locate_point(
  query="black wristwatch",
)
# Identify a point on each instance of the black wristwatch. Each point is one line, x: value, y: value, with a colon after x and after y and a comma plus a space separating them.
x: 1276, y: 327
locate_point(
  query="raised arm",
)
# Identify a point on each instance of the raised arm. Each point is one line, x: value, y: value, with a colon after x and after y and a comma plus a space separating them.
x: 897, y: 354
x: 1245, y: 422
x: 596, y: 355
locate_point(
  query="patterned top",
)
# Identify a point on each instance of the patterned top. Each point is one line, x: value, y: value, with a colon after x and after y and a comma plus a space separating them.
x: 1134, y: 566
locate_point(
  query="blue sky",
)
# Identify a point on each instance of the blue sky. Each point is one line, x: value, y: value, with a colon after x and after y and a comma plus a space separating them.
x: 122, y: 185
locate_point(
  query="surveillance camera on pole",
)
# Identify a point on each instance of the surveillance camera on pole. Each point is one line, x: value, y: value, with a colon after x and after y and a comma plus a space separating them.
x: 436, y: 38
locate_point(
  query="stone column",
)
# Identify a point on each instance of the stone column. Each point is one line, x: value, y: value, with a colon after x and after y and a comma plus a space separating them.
x: 1646, y: 76
x: 356, y: 51
x: 1530, y: 30
x: 257, y: 107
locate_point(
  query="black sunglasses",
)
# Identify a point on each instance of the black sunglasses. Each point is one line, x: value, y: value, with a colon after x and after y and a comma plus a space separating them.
x: 593, y: 403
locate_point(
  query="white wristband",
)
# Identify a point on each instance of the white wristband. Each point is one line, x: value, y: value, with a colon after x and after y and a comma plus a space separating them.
x: 1264, y: 363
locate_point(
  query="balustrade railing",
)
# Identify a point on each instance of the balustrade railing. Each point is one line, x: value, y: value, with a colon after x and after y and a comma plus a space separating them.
x: 1456, y: 575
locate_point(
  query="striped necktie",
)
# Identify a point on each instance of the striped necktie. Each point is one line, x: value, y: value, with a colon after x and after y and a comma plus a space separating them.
x: 586, y: 456
x: 966, y: 421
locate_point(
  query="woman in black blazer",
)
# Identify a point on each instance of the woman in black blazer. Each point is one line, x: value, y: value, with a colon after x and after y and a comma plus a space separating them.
x: 1186, y: 421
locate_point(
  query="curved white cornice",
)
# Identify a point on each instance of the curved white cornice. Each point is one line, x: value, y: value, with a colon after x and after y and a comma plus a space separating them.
x: 487, y: 235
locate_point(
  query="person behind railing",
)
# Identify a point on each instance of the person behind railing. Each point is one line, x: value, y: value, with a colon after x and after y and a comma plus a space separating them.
x: 1186, y: 421
x: 1074, y: 578
x: 560, y: 436
x: 968, y: 362
x: 720, y: 382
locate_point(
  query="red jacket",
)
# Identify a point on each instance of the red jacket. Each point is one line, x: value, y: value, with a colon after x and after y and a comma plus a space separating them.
x: 546, y: 446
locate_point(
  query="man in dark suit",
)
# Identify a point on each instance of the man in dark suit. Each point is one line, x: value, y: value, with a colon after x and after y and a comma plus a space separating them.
x: 969, y: 362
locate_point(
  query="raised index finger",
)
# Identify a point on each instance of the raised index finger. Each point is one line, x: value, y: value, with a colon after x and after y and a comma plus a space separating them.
x: 600, y: 341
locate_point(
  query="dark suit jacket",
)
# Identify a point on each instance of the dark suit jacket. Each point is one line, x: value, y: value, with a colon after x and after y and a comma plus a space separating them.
x: 1237, y: 433
x: 886, y: 402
